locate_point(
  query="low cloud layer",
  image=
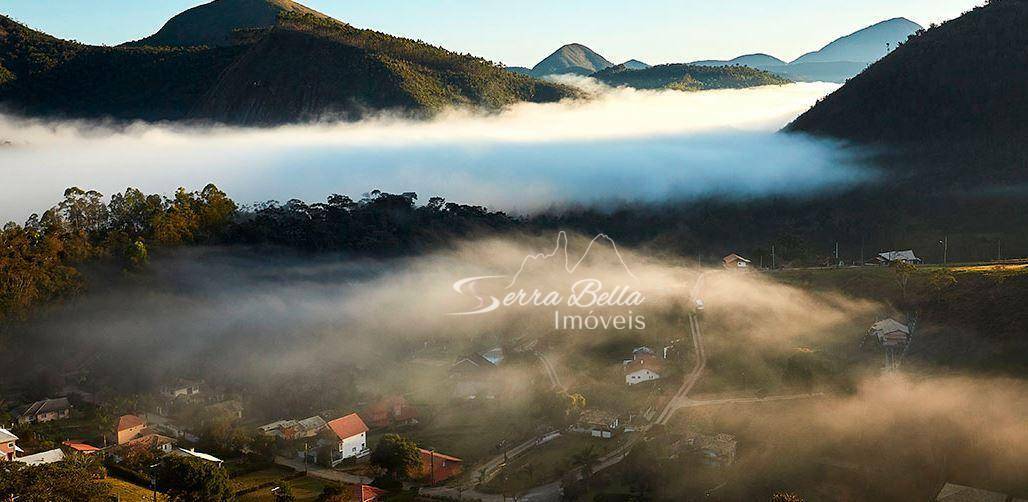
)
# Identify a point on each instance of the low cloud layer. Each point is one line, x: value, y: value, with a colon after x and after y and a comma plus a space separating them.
x: 624, y: 145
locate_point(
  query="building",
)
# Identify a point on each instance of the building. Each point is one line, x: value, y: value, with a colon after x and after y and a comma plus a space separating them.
x: 890, y: 257
x: 952, y: 492
x: 389, y: 411
x: 368, y: 493
x: 437, y: 467
x: 473, y: 377
x: 46, y: 457
x: 294, y: 429
x: 8, y: 445
x: 890, y: 333
x: 638, y: 371
x: 181, y: 388
x: 715, y: 451
x: 643, y: 353
x: 152, y: 441
x: 736, y: 262
x: 598, y: 423
x: 129, y: 427
x: 350, y: 434
x: 191, y: 453
x: 46, y: 410
x: 78, y: 447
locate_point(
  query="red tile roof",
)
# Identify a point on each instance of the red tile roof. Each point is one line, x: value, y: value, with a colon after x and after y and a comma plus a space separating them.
x: 128, y: 422
x: 82, y: 447
x: 426, y: 454
x: 367, y: 493
x: 348, y: 426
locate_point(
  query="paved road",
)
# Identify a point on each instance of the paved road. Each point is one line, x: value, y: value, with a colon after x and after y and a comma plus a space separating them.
x: 317, y: 471
x: 689, y: 403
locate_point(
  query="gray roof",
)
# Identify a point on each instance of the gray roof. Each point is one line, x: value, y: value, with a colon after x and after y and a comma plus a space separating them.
x: 907, y: 255
x: 47, y: 405
x: 314, y: 423
x: 952, y: 492
x: 6, y: 435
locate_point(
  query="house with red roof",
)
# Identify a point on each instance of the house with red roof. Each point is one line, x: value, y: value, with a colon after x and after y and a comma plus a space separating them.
x: 368, y: 493
x: 350, y: 434
x: 130, y: 427
x: 436, y: 467
x: 389, y: 411
x: 80, y: 447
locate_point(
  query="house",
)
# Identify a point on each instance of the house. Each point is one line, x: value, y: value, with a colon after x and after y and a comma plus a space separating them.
x: 494, y: 355
x: 389, y: 411
x: 231, y: 410
x: 8, y: 445
x: 129, y: 427
x: 191, y: 453
x: 368, y: 493
x: 643, y: 353
x: 638, y: 371
x: 78, y: 447
x: 890, y: 333
x: 598, y: 423
x: 350, y: 433
x: 294, y: 429
x: 715, y: 451
x: 736, y: 262
x: 45, y: 411
x: 46, y: 457
x: 181, y: 388
x: 890, y: 257
x: 436, y: 467
x: 952, y: 492
x: 152, y: 441
x: 473, y: 377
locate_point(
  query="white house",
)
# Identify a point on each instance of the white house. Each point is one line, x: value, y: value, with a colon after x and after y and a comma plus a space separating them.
x: 8, y: 445
x: 897, y: 256
x: 598, y: 423
x: 736, y: 262
x: 642, y: 370
x: 351, y: 435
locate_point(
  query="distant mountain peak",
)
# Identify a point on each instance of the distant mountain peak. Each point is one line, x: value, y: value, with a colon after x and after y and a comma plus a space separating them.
x: 574, y: 58
x: 866, y: 45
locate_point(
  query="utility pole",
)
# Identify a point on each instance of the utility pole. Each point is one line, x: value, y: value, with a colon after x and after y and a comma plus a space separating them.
x: 836, y: 252
x: 305, y: 447
x: 772, y: 257
x: 945, y: 250
x: 999, y: 249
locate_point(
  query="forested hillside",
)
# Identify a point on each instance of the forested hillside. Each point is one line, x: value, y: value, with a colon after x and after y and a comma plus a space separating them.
x: 304, y: 66
x: 962, y: 80
x: 685, y: 77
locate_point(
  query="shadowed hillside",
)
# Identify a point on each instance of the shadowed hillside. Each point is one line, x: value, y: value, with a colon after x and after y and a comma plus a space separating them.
x: 303, y: 66
x: 962, y: 80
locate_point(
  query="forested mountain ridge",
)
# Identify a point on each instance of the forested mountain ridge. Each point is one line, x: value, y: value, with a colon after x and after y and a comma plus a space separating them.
x: 304, y: 67
x: 575, y: 59
x: 685, y: 77
x: 962, y: 80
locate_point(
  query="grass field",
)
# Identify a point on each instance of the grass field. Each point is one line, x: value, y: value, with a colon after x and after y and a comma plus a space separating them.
x: 304, y: 489
x: 546, y: 463
x: 128, y: 492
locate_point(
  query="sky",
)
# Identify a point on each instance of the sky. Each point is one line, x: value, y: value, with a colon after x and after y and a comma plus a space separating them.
x: 523, y: 33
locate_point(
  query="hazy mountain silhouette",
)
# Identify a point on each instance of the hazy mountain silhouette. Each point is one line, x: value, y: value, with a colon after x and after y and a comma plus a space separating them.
x: 635, y: 64
x: 964, y: 79
x: 864, y: 46
x: 574, y: 59
x: 838, y: 61
x: 260, y: 62
x: 759, y: 61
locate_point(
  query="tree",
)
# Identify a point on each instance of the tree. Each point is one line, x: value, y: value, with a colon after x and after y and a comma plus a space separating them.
x: 190, y: 479
x: 396, y: 454
x: 283, y: 493
x: 68, y: 481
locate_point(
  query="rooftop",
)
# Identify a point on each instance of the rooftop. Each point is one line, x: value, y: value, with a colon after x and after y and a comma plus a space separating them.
x: 348, y: 426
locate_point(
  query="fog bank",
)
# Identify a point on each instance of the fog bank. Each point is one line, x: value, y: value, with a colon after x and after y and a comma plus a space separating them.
x: 622, y: 145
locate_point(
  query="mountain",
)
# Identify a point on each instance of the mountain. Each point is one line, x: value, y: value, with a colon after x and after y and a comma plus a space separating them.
x: 759, y: 61
x: 520, y: 70
x: 684, y: 77
x: 214, y: 24
x: 962, y: 80
x: 572, y: 58
x: 305, y: 66
x: 867, y: 45
x: 635, y: 64
x: 836, y: 62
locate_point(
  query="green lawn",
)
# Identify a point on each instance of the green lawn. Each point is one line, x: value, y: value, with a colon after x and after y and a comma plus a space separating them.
x: 128, y: 492
x: 304, y: 489
x: 259, y: 477
x: 546, y: 463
